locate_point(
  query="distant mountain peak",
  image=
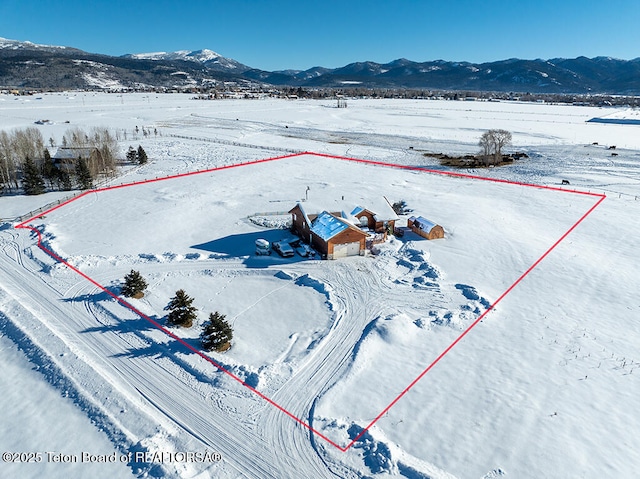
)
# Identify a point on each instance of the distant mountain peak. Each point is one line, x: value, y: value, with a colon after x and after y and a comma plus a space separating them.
x: 6, y: 43
x: 207, y: 57
x: 192, y: 55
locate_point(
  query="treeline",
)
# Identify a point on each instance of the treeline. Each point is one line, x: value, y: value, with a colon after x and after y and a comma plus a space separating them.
x: 26, y: 163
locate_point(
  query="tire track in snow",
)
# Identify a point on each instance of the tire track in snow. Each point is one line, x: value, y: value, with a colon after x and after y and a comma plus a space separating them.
x: 183, y: 408
x: 328, y: 362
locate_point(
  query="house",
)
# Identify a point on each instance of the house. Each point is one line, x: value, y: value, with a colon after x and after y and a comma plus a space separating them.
x: 67, y: 156
x: 425, y: 228
x: 331, y: 234
x: 334, y: 237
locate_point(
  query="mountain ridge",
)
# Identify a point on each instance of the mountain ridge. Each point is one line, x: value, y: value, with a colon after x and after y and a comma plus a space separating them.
x: 29, y: 65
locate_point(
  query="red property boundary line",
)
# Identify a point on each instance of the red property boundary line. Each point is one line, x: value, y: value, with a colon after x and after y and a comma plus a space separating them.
x: 121, y: 301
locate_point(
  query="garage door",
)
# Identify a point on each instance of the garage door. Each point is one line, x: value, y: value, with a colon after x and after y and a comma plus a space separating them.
x: 347, y: 249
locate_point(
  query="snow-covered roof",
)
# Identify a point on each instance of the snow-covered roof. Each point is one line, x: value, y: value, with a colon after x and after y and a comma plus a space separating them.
x: 379, y: 208
x: 304, y: 213
x: 326, y: 226
x: 423, y: 223
x: 70, y: 153
x: 357, y: 210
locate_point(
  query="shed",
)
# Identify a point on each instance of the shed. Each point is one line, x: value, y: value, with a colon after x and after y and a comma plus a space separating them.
x: 333, y: 237
x: 425, y: 228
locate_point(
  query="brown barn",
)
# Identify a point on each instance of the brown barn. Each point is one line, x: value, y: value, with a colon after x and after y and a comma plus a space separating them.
x: 425, y: 228
x: 333, y: 237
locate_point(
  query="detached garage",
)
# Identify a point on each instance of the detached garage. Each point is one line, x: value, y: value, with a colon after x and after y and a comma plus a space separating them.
x: 335, y: 238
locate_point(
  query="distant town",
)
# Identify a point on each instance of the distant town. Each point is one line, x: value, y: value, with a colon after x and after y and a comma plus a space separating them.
x: 238, y: 90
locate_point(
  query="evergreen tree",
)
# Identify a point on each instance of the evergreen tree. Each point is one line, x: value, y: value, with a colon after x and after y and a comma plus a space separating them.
x: 181, y: 312
x: 32, y: 182
x: 217, y: 333
x: 64, y: 180
x: 131, y: 155
x: 134, y: 285
x: 142, y: 155
x: 400, y: 207
x: 49, y: 169
x: 85, y: 180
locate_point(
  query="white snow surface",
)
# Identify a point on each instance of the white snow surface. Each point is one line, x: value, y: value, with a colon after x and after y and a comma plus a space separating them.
x: 544, y: 386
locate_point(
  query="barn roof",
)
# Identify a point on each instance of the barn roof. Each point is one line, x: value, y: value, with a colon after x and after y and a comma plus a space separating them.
x: 422, y: 223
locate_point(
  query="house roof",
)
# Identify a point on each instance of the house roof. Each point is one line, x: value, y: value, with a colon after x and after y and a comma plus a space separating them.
x: 379, y: 208
x: 73, y: 153
x: 327, y: 226
x: 304, y: 213
x: 422, y: 223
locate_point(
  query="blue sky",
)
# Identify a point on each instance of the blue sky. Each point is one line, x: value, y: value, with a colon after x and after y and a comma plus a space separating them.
x: 282, y: 34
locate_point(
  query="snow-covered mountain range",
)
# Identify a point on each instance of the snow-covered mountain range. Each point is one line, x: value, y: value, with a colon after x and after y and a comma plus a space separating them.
x: 28, y: 65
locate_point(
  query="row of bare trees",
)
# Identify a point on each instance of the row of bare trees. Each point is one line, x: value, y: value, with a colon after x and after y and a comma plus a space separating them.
x: 20, y: 147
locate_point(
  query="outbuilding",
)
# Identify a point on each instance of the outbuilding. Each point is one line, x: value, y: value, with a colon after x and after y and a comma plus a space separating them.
x: 425, y: 228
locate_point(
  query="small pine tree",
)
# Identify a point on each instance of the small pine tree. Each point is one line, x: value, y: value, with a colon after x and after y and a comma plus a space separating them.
x: 64, y: 180
x: 142, y: 155
x: 181, y: 312
x: 400, y: 207
x: 85, y: 180
x: 134, y: 285
x: 32, y: 182
x: 49, y: 170
x: 131, y: 155
x: 217, y: 333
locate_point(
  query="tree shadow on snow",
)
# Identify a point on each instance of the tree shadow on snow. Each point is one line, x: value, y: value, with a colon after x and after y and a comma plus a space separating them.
x: 243, y: 246
x: 94, y: 297
x: 175, y: 352
x: 136, y: 325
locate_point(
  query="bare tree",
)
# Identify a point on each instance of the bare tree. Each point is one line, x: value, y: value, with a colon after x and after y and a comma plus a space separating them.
x: 8, y: 167
x: 502, y: 139
x: 28, y: 143
x: 486, y: 145
x: 14, y: 148
x: 491, y: 143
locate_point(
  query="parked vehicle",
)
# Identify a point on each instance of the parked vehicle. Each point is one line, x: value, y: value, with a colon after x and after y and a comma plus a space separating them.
x: 304, y: 250
x: 283, y: 248
x: 263, y: 247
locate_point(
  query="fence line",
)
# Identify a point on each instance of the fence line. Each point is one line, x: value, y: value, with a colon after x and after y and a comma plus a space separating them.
x: 97, y: 185
x: 269, y: 213
x: 235, y: 143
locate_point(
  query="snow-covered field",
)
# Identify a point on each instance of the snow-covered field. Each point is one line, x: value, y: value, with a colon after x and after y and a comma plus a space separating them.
x: 543, y: 386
